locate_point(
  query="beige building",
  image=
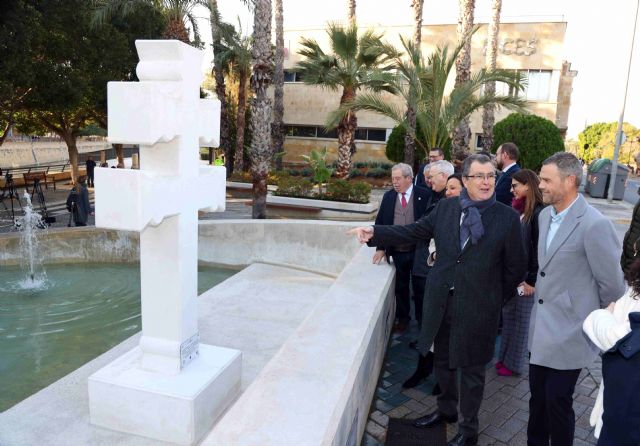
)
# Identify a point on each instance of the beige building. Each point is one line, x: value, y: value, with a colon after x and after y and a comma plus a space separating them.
x: 531, y: 47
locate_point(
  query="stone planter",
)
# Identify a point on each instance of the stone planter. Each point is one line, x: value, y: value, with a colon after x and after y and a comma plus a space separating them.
x: 307, y: 208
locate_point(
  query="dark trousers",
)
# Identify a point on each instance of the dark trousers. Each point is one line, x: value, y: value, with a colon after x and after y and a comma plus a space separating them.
x: 89, y: 178
x: 551, y: 416
x: 471, y: 381
x: 403, y: 262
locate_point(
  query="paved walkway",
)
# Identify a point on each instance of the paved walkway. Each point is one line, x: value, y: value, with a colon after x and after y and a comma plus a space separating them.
x: 505, y: 409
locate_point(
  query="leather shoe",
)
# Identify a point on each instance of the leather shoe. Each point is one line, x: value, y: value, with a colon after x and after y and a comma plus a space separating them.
x: 460, y: 440
x: 434, y: 419
x: 424, y: 369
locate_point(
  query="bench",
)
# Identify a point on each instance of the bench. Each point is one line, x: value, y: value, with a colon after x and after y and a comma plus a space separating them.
x: 32, y: 177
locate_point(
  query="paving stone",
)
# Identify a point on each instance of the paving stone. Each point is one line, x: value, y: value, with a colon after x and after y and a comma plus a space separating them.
x: 380, y: 418
x: 382, y: 406
x: 581, y: 433
x: 514, y: 426
x: 522, y: 415
x: 397, y: 399
x: 415, y: 394
x: 417, y: 407
x: 498, y: 434
x: 376, y: 431
x: 491, y: 387
x: 368, y: 440
x: 399, y: 412
x: 485, y: 440
x: 514, y: 391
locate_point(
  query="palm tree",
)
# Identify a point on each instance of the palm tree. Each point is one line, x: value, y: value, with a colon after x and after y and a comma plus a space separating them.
x: 422, y: 85
x: 355, y: 62
x: 220, y: 86
x: 262, y: 62
x: 488, y: 117
x: 277, y: 128
x: 178, y: 14
x: 235, y: 57
x: 409, y: 144
x: 351, y: 15
x: 462, y: 133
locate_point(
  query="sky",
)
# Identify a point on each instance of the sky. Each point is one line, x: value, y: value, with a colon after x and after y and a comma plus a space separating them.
x: 597, y: 41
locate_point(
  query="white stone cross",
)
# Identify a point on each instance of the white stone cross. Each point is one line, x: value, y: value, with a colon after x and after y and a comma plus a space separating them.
x: 164, y: 114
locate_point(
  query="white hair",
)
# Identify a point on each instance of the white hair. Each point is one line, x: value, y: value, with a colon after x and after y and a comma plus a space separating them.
x: 426, y: 168
x: 443, y: 166
x: 406, y: 169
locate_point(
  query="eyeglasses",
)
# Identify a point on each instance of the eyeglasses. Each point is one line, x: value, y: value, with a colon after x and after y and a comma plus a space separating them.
x: 480, y: 177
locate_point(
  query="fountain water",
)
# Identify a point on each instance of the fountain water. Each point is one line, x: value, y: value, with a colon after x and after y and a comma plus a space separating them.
x: 30, y: 225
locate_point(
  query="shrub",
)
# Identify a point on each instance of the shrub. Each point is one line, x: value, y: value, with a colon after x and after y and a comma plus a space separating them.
x: 360, y: 164
x: 294, y: 172
x: 395, y: 146
x: 378, y: 172
x: 355, y: 173
x: 342, y: 190
x: 294, y: 187
x: 306, y: 172
x: 536, y: 137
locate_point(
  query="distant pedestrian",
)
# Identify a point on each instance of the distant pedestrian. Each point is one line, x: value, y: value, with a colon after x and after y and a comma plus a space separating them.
x: 578, y: 253
x: 507, y: 157
x: 78, y: 202
x: 91, y: 165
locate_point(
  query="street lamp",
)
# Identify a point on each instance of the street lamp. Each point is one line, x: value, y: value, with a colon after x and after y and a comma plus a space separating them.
x: 619, y: 134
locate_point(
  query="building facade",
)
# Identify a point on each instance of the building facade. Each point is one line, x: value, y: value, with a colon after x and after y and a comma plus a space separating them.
x: 534, y: 48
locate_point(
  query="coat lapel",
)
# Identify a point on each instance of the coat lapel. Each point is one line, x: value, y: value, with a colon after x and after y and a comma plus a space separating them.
x: 568, y: 225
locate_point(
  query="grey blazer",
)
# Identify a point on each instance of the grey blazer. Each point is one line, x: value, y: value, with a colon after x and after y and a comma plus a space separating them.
x: 578, y: 274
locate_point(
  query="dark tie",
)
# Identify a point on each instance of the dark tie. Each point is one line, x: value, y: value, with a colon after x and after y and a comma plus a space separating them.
x: 403, y: 201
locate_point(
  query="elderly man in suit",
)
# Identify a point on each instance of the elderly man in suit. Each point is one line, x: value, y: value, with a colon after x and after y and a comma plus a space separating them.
x: 578, y: 253
x: 480, y: 263
x: 403, y: 205
x: 507, y: 157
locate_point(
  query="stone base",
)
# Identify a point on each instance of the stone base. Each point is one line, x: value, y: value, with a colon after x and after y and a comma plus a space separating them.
x: 178, y: 409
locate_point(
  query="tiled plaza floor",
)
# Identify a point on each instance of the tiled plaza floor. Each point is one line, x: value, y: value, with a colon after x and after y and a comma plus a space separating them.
x: 504, y: 411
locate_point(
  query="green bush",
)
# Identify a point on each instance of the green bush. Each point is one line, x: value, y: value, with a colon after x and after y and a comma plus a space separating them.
x: 360, y: 164
x: 294, y: 187
x: 378, y: 172
x: 536, y: 137
x: 395, y: 146
x: 342, y: 190
x: 294, y: 172
x: 306, y: 172
x: 355, y: 173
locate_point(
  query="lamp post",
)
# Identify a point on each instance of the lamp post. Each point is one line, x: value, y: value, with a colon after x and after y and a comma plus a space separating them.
x: 616, y: 152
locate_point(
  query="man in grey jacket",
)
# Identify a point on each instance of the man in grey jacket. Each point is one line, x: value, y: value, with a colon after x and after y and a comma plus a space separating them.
x: 578, y: 253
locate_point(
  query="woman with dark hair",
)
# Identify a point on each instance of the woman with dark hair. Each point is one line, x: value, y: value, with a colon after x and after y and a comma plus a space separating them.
x: 616, y: 331
x: 454, y: 186
x: 527, y: 201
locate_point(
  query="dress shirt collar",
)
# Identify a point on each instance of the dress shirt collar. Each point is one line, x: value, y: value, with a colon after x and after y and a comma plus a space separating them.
x: 407, y: 194
x: 508, y: 167
x: 557, y: 217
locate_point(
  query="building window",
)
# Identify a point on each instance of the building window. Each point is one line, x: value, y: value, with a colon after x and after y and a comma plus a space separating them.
x: 479, y: 141
x: 537, y: 88
x: 292, y: 76
x: 310, y: 131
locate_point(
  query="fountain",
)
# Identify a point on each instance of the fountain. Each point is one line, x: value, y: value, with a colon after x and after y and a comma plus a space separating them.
x: 29, y: 225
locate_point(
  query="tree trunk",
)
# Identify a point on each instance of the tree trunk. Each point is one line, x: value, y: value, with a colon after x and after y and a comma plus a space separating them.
x: 352, y: 11
x: 409, y: 142
x: 5, y: 131
x: 70, y: 140
x: 462, y: 133
x: 488, y: 114
x: 346, y: 136
x: 417, y: 6
x: 176, y: 30
x: 262, y: 60
x: 218, y: 76
x: 277, y: 128
x: 410, y: 115
x: 119, y: 153
x: 238, y: 164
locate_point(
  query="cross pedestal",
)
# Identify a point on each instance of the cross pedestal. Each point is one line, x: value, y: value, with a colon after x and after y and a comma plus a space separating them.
x: 170, y: 387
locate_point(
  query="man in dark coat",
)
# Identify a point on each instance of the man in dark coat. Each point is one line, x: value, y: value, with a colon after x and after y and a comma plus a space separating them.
x: 480, y: 262
x: 404, y: 204
x: 507, y: 157
x: 435, y: 154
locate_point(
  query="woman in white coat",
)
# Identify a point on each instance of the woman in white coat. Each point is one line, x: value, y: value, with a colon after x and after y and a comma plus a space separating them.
x: 607, y: 326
